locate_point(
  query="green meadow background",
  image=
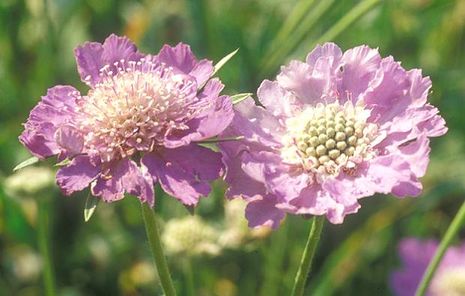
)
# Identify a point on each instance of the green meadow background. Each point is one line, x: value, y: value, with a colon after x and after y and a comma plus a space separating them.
x: 109, y: 255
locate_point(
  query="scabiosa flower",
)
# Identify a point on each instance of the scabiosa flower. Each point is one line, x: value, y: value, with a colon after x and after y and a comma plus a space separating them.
x: 138, y: 123
x: 333, y: 129
x: 415, y: 255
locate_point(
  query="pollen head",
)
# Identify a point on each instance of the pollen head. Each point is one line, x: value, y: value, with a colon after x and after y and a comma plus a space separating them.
x: 327, y: 138
x: 133, y: 109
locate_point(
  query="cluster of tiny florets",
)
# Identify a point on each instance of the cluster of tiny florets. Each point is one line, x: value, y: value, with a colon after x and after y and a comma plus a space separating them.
x: 133, y: 109
x: 325, y: 137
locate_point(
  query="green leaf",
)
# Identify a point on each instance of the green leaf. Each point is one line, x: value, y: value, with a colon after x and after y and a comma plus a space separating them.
x: 239, y: 97
x: 64, y: 162
x: 90, y: 207
x: 223, y: 61
x: 26, y: 163
x: 216, y: 140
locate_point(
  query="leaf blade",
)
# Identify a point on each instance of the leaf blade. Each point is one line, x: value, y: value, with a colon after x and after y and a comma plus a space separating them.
x: 236, y: 99
x: 90, y: 207
x: 223, y: 61
x: 30, y: 161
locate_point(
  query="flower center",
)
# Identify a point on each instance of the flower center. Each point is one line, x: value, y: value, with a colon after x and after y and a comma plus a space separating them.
x: 326, y: 138
x: 134, y: 109
x: 450, y: 282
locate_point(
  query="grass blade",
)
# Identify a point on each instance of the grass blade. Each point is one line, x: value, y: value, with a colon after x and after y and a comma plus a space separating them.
x: 26, y: 163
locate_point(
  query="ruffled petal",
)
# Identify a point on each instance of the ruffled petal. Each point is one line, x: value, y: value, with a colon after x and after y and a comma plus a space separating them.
x: 183, y: 59
x: 267, y: 167
x: 91, y: 57
x: 117, y: 48
x: 138, y: 182
x: 385, y: 174
x: 359, y: 66
x: 55, y: 109
x: 215, y: 118
x: 328, y: 51
x: 180, y: 56
x: 419, y: 87
x: 239, y: 183
x: 276, y: 99
x: 202, y: 71
x: 313, y: 200
x: 77, y: 175
x: 387, y: 96
x: 125, y: 176
x: 70, y: 140
x: 256, y: 124
x: 185, y: 172
x: 416, y: 153
x: 89, y: 61
x: 262, y: 211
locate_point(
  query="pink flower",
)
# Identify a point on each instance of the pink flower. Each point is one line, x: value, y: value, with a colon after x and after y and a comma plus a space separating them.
x: 333, y: 129
x: 415, y: 255
x: 138, y: 123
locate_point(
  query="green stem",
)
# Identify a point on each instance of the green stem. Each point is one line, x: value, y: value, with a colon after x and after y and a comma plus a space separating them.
x: 153, y: 235
x: 307, y: 256
x: 189, y: 274
x: 451, y: 232
x: 44, y: 248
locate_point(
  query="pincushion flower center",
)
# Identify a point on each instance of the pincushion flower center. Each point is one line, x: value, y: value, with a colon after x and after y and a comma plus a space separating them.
x: 132, y: 110
x: 329, y: 137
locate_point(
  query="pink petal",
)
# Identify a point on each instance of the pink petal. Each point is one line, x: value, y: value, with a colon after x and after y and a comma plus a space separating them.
x: 77, y: 176
x: 262, y: 211
x: 185, y: 172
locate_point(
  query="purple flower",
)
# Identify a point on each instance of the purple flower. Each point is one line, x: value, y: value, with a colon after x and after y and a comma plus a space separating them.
x: 415, y: 255
x: 138, y: 123
x: 334, y: 129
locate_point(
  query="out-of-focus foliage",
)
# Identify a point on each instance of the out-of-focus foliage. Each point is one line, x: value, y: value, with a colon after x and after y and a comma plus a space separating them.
x: 109, y: 256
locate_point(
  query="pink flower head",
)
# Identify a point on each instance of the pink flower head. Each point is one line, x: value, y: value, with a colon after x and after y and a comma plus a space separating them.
x: 333, y: 129
x: 138, y: 123
x: 415, y: 255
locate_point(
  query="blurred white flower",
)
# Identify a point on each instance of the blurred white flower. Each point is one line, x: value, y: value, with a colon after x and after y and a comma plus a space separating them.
x: 190, y: 235
x: 29, y: 181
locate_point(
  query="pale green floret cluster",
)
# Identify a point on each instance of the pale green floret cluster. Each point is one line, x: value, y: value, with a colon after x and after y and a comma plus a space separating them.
x: 190, y: 236
x: 332, y: 136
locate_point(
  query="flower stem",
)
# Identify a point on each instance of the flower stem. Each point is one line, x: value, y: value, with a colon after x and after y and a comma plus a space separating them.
x: 451, y: 232
x: 153, y: 236
x: 44, y: 248
x: 307, y: 256
x: 189, y: 274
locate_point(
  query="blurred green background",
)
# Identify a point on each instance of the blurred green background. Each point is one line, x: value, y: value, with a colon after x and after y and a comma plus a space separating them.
x: 215, y: 254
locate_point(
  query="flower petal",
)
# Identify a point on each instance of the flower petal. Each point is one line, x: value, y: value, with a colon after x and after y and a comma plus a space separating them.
x: 360, y: 65
x: 125, y: 176
x: 216, y: 116
x: 77, y: 176
x: 54, y: 110
x: 138, y: 182
x: 278, y: 100
x: 387, y: 96
x: 89, y: 61
x: 93, y: 56
x: 262, y: 211
x: 256, y: 124
x: 180, y: 56
x: 69, y: 139
x: 185, y: 172
x: 240, y: 184
x: 329, y: 51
